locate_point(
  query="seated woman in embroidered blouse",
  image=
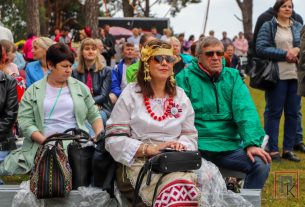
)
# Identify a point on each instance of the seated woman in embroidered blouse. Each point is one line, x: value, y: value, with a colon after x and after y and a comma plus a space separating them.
x: 151, y: 115
x: 51, y: 105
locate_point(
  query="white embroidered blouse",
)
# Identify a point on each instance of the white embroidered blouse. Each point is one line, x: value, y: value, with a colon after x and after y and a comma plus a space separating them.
x: 130, y: 125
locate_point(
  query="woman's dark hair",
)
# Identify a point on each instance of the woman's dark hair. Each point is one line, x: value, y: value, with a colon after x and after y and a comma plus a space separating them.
x: 145, y: 86
x: 191, y: 37
x: 278, y: 5
x: 59, y: 52
x: 30, y: 35
x: 144, y: 38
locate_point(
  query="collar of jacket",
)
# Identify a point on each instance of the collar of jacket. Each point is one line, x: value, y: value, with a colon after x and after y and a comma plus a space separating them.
x: 3, y: 77
x: 196, y: 69
x: 274, y: 21
x: 91, y: 69
x: 122, y: 61
x: 40, y: 87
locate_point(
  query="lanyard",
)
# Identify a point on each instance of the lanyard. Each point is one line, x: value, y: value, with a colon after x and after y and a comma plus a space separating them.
x: 52, y: 110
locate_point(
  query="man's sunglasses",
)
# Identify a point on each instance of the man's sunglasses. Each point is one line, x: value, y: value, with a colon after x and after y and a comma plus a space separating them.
x: 160, y: 58
x: 212, y: 53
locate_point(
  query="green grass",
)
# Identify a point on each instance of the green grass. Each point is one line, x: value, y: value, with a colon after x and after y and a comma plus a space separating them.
x: 269, y: 197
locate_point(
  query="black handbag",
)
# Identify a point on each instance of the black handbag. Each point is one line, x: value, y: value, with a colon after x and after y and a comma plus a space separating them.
x: 264, y: 74
x: 80, y: 158
x: 51, y: 175
x: 165, y: 163
x: 103, y: 167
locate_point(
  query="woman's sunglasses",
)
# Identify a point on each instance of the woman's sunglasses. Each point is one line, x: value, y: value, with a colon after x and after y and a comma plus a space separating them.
x: 211, y: 53
x: 160, y: 58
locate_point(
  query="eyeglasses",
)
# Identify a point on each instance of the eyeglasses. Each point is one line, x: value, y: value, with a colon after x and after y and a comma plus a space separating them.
x: 212, y: 53
x: 160, y: 58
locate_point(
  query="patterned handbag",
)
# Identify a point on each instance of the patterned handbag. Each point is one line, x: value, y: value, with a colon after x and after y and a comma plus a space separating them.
x: 51, y: 175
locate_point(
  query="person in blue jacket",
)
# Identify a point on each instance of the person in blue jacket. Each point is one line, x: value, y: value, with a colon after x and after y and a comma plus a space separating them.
x: 279, y: 40
x: 119, y: 81
x: 36, y: 70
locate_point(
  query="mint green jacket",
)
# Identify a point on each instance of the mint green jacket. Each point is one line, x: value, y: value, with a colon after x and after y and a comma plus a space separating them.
x: 31, y: 119
x: 225, y: 115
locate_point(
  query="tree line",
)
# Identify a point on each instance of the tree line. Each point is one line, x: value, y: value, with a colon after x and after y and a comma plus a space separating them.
x: 43, y: 16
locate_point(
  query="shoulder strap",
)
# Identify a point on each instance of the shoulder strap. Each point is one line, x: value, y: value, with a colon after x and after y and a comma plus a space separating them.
x: 61, y: 136
x: 140, y: 178
x: 156, y: 188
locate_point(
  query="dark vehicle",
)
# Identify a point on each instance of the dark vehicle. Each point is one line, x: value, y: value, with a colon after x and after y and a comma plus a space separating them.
x: 130, y: 22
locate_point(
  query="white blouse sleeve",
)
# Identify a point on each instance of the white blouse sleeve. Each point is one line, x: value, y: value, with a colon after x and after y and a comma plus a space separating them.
x: 118, y: 142
x: 189, y: 134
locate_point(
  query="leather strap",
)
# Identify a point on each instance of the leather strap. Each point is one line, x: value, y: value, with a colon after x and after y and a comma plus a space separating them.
x: 156, y: 188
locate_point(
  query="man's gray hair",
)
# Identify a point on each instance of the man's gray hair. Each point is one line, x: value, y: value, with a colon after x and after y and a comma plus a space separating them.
x: 207, y: 42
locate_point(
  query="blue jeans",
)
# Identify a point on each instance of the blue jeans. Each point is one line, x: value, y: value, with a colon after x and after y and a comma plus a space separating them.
x: 257, y: 172
x: 89, y: 127
x: 282, y: 98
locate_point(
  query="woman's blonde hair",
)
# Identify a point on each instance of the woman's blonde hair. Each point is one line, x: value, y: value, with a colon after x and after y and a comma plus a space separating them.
x: 43, y: 42
x: 99, y: 63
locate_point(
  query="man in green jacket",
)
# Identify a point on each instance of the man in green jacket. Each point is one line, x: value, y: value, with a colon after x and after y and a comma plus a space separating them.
x: 229, y: 129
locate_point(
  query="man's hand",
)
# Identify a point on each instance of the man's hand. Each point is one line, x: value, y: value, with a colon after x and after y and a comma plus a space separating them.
x: 256, y: 151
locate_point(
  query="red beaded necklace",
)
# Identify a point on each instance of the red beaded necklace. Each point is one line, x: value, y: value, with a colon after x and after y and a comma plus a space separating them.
x: 166, y: 111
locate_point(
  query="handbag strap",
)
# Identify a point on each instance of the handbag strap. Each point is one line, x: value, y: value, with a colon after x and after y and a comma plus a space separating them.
x: 78, y: 131
x: 85, y: 137
x: 61, y: 137
x: 140, y: 178
x: 156, y: 188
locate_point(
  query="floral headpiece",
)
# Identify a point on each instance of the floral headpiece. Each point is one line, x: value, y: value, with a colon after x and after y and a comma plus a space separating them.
x: 154, y: 50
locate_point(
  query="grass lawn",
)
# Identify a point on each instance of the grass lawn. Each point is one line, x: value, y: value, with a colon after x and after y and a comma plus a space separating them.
x: 269, y: 196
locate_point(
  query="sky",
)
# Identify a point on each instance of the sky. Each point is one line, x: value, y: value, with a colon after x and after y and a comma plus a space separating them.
x: 221, y: 16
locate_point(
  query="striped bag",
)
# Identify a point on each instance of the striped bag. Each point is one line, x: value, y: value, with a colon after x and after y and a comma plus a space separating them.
x: 51, y: 175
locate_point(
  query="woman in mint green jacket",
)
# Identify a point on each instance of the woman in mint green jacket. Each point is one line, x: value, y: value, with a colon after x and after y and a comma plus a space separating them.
x: 53, y: 104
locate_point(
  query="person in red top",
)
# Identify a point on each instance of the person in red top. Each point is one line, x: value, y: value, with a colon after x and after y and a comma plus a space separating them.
x: 57, y: 35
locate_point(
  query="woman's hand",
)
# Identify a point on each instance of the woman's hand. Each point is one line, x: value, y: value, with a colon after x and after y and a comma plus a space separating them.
x: 292, y: 55
x: 156, y: 149
x: 38, y: 137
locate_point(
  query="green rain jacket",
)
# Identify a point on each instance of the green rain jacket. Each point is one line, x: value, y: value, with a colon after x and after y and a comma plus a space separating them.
x: 225, y: 115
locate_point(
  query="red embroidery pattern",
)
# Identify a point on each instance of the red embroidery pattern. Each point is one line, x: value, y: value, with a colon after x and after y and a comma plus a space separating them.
x: 178, y: 193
